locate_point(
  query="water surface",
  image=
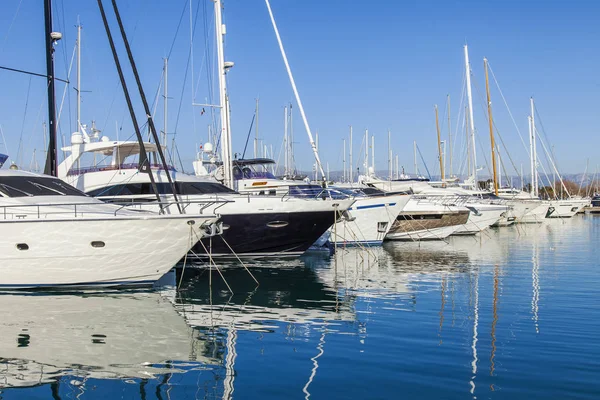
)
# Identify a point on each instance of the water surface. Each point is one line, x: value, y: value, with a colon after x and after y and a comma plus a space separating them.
x: 512, y: 313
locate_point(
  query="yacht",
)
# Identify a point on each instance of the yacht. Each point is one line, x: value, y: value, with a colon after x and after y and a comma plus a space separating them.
x: 371, y: 216
x: 566, y: 208
x: 253, y: 226
x: 54, y: 235
x: 429, y: 218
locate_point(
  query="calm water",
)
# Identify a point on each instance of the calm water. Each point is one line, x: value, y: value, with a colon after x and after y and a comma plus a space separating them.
x: 512, y: 314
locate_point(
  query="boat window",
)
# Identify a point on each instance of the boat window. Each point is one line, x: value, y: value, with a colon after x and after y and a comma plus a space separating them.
x: 183, y: 188
x: 23, y: 186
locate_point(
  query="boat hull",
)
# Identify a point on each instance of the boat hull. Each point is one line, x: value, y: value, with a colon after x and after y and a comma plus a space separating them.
x: 371, y: 218
x: 565, y: 208
x: 94, y: 252
x: 266, y: 234
x: 481, y: 217
x: 427, y: 225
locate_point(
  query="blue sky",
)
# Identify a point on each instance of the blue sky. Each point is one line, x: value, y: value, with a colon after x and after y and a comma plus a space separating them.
x: 370, y: 64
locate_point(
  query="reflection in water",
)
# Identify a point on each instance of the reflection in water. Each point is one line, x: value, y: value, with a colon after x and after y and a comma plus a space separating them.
x: 123, y: 334
x: 494, y: 322
x: 322, y: 326
x: 535, y: 281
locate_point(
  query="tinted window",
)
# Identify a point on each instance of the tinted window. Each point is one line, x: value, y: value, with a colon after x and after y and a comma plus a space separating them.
x: 22, y: 186
x: 184, y: 188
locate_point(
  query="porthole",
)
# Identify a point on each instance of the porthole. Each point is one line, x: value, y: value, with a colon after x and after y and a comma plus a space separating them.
x: 98, y: 243
x: 22, y: 246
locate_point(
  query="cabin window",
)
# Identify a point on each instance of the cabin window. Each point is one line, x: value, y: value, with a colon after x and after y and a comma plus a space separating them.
x: 183, y: 188
x: 24, y: 186
x: 98, y: 244
x: 22, y: 246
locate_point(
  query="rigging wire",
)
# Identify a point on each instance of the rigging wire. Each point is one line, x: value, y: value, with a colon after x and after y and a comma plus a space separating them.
x: 23, y: 123
x: 10, y: 26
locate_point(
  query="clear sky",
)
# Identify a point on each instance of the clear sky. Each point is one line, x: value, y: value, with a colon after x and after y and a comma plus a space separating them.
x: 370, y: 64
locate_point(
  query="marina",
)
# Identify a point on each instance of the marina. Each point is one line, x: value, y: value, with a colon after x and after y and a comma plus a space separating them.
x: 511, y: 314
x: 208, y: 248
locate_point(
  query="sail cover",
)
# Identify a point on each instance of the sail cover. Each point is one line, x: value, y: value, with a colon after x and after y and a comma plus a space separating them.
x: 3, y: 158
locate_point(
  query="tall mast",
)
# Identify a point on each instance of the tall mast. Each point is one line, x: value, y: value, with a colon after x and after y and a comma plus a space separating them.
x: 351, y: 165
x: 491, y: 122
x: 373, y: 152
x: 440, y: 155
x: 534, y: 136
x: 344, y: 161
x: 51, y: 38
x: 415, y: 158
x: 531, y: 139
x: 467, y: 140
x: 471, y: 121
x: 78, y: 75
x: 224, y: 114
x: 389, y: 155
x: 366, y: 152
x: 296, y: 94
x: 397, y: 167
x: 449, y: 136
x: 165, y: 100
x: 285, y: 141
x: 256, y: 130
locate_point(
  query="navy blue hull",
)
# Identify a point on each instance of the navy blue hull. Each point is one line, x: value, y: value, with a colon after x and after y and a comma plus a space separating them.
x: 274, y: 234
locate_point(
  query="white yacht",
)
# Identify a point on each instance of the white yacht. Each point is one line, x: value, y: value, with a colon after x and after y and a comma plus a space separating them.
x: 54, y: 235
x: 253, y: 226
x: 566, y: 208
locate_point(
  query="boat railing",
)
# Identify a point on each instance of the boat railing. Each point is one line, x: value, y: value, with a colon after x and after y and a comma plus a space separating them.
x: 442, y: 199
x: 79, y: 209
x: 84, y: 170
x: 314, y: 192
x: 170, y: 207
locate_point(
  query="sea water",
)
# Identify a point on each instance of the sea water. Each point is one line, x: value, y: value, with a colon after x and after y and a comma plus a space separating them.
x: 511, y: 313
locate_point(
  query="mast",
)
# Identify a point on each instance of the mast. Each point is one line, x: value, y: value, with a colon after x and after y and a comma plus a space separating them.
x: 351, y: 165
x: 165, y: 100
x: 471, y: 121
x: 449, y: 136
x: 397, y: 167
x: 491, y: 123
x: 293, y: 83
x: 344, y: 161
x: 256, y: 130
x: 285, y: 141
x: 78, y: 75
x: 373, y: 153
x: 415, y: 158
x: 440, y: 155
x: 533, y: 134
x: 531, y: 139
x: 51, y: 38
x: 223, y: 103
x: 467, y: 140
x: 366, y: 152
x: 389, y: 155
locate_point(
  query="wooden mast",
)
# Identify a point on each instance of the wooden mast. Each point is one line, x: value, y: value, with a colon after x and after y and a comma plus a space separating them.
x: 491, y: 122
x: 437, y: 126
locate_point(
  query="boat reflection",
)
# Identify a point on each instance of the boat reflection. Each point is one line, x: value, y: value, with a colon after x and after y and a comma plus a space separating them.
x: 93, y: 335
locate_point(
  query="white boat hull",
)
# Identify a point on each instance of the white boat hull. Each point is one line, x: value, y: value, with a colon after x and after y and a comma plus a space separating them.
x: 371, y: 220
x: 71, y: 252
x: 529, y: 211
x: 425, y: 234
x: 482, y: 216
x: 565, y: 208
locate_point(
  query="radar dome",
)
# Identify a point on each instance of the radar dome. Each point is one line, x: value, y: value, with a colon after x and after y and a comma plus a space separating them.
x: 208, y: 148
